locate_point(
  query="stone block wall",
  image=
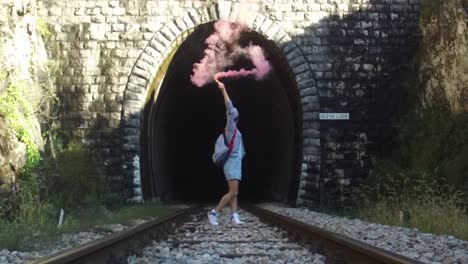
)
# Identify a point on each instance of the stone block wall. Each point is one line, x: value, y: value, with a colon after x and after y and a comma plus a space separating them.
x: 346, y: 56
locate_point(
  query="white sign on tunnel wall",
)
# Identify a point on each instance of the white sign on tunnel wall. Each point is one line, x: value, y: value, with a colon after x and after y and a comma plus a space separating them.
x: 334, y: 116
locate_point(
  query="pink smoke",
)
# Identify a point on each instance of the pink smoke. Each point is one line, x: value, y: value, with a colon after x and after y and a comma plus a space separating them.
x: 223, y: 50
x: 233, y: 73
x: 262, y: 66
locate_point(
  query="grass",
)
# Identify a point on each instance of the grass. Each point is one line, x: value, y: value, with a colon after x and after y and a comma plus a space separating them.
x: 413, y: 198
x: 72, y: 180
x: 439, y: 215
x: 424, y: 184
x: 426, y: 177
x: 30, y: 235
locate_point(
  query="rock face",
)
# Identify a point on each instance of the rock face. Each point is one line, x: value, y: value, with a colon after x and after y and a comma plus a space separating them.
x: 444, y: 61
x: 23, y: 70
x: 12, y: 157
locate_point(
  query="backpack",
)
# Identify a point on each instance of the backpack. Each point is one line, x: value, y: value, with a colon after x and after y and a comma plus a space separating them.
x: 222, y: 149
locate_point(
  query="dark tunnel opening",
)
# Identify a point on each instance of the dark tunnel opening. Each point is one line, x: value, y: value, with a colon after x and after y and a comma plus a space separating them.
x: 181, y: 125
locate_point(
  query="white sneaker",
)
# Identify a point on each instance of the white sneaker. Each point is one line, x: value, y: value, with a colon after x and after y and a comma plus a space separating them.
x: 235, y: 219
x: 213, y: 217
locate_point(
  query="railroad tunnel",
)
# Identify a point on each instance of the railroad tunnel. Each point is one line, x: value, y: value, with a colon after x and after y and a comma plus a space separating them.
x: 181, y: 123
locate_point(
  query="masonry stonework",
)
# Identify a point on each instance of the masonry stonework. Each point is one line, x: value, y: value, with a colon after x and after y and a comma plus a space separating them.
x: 346, y: 56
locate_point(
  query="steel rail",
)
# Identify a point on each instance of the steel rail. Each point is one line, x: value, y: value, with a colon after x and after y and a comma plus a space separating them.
x: 116, y: 247
x: 337, y: 248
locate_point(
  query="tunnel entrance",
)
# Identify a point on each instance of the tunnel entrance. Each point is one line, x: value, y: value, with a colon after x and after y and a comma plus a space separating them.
x: 181, y: 125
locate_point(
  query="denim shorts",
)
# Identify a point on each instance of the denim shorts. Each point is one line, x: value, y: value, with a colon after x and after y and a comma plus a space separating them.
x: 233, y: 168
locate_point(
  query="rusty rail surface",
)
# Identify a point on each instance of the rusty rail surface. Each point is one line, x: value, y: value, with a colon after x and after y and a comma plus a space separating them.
x: 336, y: 248
x: 116, y: 247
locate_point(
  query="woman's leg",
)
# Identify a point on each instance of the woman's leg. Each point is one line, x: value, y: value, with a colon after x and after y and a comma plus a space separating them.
x: 233, y: 204
x: 233, y: 192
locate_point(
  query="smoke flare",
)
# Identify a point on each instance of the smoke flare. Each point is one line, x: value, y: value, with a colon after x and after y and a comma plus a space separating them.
x: 223, y: 50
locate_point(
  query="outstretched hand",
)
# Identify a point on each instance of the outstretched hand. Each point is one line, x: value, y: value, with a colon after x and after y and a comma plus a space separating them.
x: 222, y: 88
x: 220, y: 84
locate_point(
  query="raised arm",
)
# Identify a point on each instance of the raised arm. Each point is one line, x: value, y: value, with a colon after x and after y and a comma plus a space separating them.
x: 231, y: 114
x: 222, y: 88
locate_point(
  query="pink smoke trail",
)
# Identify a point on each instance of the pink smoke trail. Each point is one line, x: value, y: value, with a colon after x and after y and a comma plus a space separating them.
x: 222, y: 51
x: 233, y: 73
x: 262, y: 66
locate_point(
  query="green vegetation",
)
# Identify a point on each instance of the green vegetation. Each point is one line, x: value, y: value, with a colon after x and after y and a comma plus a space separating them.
x: 63, y: 177
x: 71, y: 180
x: 427, y: 176
x: 77, y: 171
x: 19, y: 113
x: 436, y: 141
x: 424, y: 184
x: 43, y: 28
x: 23, y: 235
x: 74, y: 182
x: 413, y: 198
x: 437, y: 214
x: 23, y: 204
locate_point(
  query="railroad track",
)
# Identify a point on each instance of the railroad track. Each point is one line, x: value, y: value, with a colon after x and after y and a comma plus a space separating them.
x: 187, y: 237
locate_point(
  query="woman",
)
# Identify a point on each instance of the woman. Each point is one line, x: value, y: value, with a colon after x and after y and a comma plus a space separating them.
x: 233, y: 166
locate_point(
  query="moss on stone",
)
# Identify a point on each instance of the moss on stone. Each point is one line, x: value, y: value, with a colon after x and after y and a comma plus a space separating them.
x: 44, y: 30
x: 19, y: 114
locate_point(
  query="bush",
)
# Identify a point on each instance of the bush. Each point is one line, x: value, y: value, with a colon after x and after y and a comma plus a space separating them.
x: 75, y: 179
x: 435, y: 141
x: 426, y: 180
x: 394, y: 195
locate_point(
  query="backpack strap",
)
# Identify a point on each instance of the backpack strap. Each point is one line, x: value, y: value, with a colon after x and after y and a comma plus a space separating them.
x: 231, y: 143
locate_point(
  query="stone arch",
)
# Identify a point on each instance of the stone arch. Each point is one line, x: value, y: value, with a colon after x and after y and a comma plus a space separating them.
x: 157, y: 53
